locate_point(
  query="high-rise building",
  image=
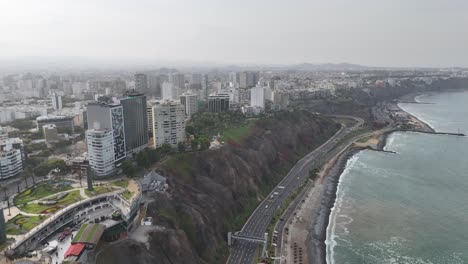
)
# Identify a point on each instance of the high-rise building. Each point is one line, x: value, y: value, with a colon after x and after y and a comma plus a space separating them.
x: 248, y: 79
x: 12, y: 158
x: 141, y: 82
x: 101, y: 154
x: 257, y: 97
x: 178, y: 80
x: 109, y: 116
x: 168, y: 124
x: 205, y: 88
x: 56, y: 101
x: 218, y: 103
x: 190, y: 102
x: 135, y: 120
x: 168, y: 91
x: 50, y: 132
x: 154, y: 85
x: 196, y: 81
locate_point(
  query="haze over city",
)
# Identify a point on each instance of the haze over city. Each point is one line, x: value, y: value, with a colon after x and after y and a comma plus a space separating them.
x: 418, y: 33
x: 233, y: 131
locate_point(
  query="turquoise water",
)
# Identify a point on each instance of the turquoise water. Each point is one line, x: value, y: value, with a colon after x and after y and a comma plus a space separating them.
x: 409, y: 207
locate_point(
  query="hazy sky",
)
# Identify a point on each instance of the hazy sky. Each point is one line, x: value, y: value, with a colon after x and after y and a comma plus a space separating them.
x: 369, y: 32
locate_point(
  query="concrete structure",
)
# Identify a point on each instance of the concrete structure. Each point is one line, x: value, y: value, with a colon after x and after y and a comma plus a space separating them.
x: 168, y: 124
x: 141, y: 82
x: 12, y: 158
x: 218, y: 103
x: 178, y: 80
x: 92, y: 209
x: 64, y: 124
x: 190, y: 102
x: 136, y: 122
x: 109, y: 116
x: 101, y: 151
x: 257, y: 97
x: 56, y: 101
x: 248, y: 79
x: 168, y: 91
x: 50, y: 133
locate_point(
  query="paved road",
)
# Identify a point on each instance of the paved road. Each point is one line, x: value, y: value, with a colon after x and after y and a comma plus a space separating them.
x: 245, y: 252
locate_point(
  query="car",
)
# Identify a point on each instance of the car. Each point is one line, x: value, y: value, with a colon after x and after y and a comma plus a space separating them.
x: 64, y: 234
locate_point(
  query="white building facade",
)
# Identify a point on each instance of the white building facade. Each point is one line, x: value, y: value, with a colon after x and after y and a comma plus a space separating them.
x: 101, y: 151
x: 168, y: 124
x: 11, y: 157
x: 257, y: 97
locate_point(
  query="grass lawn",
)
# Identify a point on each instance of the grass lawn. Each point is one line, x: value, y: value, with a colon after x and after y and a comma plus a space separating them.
x: 34, y: 208
x: 21, y: 224
x: 238, y: 133
x: 120, y: 183
x: 127, y: 195
x: 79, y: 233
x: 99, y: 190
x: 181, y: 165
x: 39, y: 191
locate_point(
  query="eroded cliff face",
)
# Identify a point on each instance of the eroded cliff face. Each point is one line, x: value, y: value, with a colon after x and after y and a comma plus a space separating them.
x: 212, y: 192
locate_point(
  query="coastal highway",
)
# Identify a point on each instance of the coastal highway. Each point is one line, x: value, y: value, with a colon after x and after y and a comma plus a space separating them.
x: 244, y: 252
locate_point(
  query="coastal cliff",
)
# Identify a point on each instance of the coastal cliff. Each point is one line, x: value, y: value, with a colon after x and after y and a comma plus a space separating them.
x: 213, y: 192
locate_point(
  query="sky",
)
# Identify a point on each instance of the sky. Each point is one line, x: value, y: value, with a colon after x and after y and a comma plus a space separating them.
x: 395, y: 33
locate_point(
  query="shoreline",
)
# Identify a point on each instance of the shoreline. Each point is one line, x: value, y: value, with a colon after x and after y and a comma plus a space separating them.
x: 319, y: 209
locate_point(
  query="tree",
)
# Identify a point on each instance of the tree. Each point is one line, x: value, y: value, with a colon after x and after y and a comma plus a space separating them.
x: 142, y: 159
x: 181, y: 146
x: 5, y: 189
x: 190, y: 130
x: 204, y: 143
x: 165, y: 149
x: 128, y: 168
x: 194, y: 144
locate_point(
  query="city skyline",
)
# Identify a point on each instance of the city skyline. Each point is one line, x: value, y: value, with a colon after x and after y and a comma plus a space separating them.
x: 124, y: 33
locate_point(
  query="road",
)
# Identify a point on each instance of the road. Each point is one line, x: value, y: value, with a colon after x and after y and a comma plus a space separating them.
x: 244, y: 252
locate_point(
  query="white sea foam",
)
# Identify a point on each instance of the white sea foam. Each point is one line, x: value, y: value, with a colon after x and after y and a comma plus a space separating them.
x: 331, y: 240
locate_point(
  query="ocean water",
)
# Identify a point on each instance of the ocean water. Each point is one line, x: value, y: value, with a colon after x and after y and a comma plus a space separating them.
x: 410, y: 207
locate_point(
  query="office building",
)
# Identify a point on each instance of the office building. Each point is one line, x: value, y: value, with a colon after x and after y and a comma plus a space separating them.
x: 101, y: 154
x: 141, y: 82
x: 257, y: 97
x: 50, y: 133
x: 135, y: 120
x: 154, y: 85
x: 178, y: 80
x: 56, y: 101
x: 205, y: 91
x: 168, y: 124
x: 190, y: 103
x: 109, y: 116
x: 248, y: 79
x: 63, y: 124
x: 196, y: 81
x: 169, y: 92
x: 12, y: 158
x: 218, y: 103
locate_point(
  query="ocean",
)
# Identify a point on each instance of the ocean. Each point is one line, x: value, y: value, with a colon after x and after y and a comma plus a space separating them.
x: 410, y: 207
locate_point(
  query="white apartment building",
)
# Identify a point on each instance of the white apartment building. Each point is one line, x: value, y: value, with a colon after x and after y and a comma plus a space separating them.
x: 11, y: 157
x: 168, y: 124
x: 257, y: 97
x: 168, y: 91
x: 56, y: 101
x: 101, y: 151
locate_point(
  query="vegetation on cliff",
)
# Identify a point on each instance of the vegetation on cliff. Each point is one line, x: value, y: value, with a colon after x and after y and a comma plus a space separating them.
x: 214, y: 191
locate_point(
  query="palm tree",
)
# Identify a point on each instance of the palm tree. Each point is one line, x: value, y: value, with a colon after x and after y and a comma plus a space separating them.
x: 25, y: 177
x: 34, y: 178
